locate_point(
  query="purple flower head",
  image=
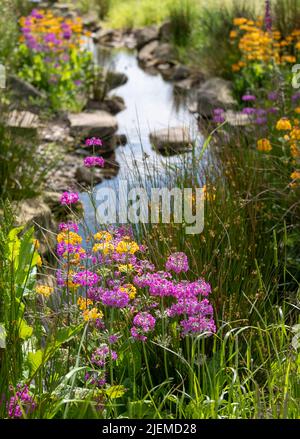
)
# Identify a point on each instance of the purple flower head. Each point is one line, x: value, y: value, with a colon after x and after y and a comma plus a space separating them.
x: 93, y: 141
x: 145, y: 321
x: 86, y: 278
x: 273, y: 96
x: 89, y: 162
x: 22, y: 402
x: 248, y: 97
x: 112, y: 339
x: 260, y: 121
x: 218, y: 118
x: 248, y: 110
x: 68, y: 198
x: 177, y: 262
x: 197, y: 325
x: 296, y: 96
x: 102, y: 354
x: 64, y: 227
x: 115, y: 298
x: 218, y: 111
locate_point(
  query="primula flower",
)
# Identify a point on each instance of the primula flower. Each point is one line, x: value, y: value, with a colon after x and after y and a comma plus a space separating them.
x: 115, y: 298
x: 63, y: 227
x: 86, y: 278
x: 103, y: 236
x: 44, y: 290
x: 102, y: 354
x: 92, y: 314
x: 68, y: 198
x: 83, y: 303
x: 69, y: 238
x: 93, y: 141
x: 127, y: 247
x: 248, y: 97
x: 177, y: 262
x: 90, y: 162
x: 264, y: 145
x: 197, y: 325
x: 22, y: 402
x: 283, y: 124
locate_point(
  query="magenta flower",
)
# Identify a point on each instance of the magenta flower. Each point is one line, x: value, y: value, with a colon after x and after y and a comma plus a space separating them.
x: 177, y: 262
x: 248, y: 97
x: 102, y: 354
x: 93, y: 141
x: 115, y: 298
x: 64, y: 227
x: 68, y: 198
x: 197, y: 325
x: 89, y: 162
x: 21, y: 402
x: 85, y: 278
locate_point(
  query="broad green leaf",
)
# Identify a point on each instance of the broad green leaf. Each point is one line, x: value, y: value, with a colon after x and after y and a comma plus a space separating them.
x: 35, y: 360
x: 25, y: 331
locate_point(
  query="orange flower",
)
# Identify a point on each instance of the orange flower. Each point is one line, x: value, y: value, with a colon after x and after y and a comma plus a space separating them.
x: 264, y: 145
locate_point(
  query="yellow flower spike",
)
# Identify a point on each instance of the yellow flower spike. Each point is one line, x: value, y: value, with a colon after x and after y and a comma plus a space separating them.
x: 264, y: 145
x: 44, y: 290
x: 104, y: 247
x: 69, y: 238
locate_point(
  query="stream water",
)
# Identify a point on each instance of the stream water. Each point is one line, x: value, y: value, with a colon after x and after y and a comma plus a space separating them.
x: 150, y: 105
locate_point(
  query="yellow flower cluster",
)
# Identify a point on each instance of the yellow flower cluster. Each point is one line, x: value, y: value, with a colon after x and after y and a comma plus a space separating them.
x: 44, y: 290
x: 264, y: 145
x: 103, y: 236
x: 127, y: 247
x: 92, y: 314
x: 83, y: 303
x: 69, y: 237
x: 256, y: 44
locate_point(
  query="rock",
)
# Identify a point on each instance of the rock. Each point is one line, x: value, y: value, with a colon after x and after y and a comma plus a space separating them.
x: 171, y: 140
x: 107, y: 36
x: 121, y: 139
x: 214, y: 93
x: 180, y: 72
x: 115, y: 104
x: 146, y: 35
x: 115, y: 79
x: 146, y: 53
x: 34, y: 211
x: 164, y: 53
x: 184, y: 85
x: 93, y: 124
x: 111, y: 104
x: 165, y: 31
x: 90, y: 21
x: 87, y: 176
x: 22, y: 89
x: 23, y: 123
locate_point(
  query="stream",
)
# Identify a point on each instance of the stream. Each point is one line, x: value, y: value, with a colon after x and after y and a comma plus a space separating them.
x: 150, y: 105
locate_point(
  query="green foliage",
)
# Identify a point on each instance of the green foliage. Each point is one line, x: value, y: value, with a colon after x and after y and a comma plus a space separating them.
x: 182, y: 16
x: 23, y: 168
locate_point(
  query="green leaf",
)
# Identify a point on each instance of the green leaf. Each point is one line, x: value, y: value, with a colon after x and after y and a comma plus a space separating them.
x: 115, y: 392
x: 35, y: 360
x: 25, y: 331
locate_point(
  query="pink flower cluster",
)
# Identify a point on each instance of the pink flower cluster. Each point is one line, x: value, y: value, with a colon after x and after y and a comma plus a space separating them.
x: 90, y: 162
x: 115, y: 298
x: 93, y: 141
x: 143, y: 323
x: 68, y: 198
x: 86, y: 278
x: 101, y: 355
x: 64, y: 227
x: 177, y: 262
x: 22, y: 402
